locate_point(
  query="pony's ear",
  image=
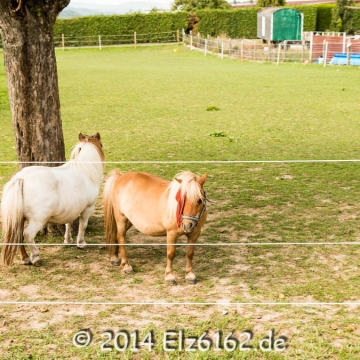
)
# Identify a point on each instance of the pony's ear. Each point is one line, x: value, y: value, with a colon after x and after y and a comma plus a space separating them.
x: 97, y: 136
x: 202, y: 180
x: 178, y: 180
x: 81, y: 137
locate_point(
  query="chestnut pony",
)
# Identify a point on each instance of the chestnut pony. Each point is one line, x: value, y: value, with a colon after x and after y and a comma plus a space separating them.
x: 155, y: 207
x: 37, y: 195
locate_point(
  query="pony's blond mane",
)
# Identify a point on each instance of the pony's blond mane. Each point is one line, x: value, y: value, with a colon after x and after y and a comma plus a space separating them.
x: 88, y: 157
x: 189, y: 186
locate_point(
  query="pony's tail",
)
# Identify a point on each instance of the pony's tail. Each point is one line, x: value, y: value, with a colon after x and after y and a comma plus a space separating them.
x: 12, y: 213
x: 109, y: 218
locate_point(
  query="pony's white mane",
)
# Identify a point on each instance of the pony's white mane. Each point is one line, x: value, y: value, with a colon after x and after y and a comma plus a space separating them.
x: 86, y: 157
x: 189, y: 186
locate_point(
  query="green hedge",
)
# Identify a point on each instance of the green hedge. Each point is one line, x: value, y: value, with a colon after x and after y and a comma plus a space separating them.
x: 232, y: 23
x: 243, y: 22
x: 310, y: 15
x: 121, y: 24
x: 356, y: 20
x: 236, y: 23
x: 324, y: 16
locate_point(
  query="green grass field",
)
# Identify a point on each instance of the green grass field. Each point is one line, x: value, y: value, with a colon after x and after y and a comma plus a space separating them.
x: 150, y: 106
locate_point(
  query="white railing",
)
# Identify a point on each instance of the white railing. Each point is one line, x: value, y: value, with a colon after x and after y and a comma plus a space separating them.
x: 115, y: 40
x: 250, y: 49
x: 303, y: 51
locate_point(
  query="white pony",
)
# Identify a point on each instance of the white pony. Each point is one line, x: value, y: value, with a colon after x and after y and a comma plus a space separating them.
x: 57, y: 195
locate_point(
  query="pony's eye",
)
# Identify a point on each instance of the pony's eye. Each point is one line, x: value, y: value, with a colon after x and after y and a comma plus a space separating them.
x: 199, y: 201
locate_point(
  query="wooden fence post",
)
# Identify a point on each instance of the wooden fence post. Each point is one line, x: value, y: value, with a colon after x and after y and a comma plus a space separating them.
x: 278, y: 54
x: 99, y: 42
x: 325, y: 53
x: 302, y: 50
x: 177, y: 36
x: 134, y: 39
x: 63, y: 41
x: 242, y: 50
x: 311, y: 46
x: 348, y: 52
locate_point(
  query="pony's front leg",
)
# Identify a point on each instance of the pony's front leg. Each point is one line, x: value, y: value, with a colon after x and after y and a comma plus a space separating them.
x: 29, y: 235
x: 83, y: 222
x: 171, y: 241
x: 68, y: 238
x: 190, y: 249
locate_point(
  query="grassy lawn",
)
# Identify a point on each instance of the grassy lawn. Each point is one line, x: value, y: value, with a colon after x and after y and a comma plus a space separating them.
x: 150, y: 106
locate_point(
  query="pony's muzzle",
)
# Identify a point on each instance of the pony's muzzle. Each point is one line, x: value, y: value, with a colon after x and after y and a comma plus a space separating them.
x: 188, y: 226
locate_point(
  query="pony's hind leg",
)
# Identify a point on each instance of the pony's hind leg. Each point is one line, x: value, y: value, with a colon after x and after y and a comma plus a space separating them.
x: 83, y: 221
x: 25, y: 259
x: 29, y: 235
x: 122, y: 227
x: 67, y: 237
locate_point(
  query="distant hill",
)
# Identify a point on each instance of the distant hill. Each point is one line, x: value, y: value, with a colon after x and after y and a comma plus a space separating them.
x: 125, y: 8
x: 70, y: 12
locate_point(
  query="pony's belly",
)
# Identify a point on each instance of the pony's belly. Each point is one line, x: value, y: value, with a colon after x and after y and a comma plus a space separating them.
x: 150, y: 230
x: 65, y: 218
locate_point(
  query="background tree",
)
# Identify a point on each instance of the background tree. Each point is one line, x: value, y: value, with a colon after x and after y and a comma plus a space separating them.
x: 269, y: 3
x: 193, y: 5
x: 342, y: 16
x: 26, y: 28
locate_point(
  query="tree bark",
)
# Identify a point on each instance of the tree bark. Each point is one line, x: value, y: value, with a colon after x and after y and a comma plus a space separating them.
x: 26, y: 28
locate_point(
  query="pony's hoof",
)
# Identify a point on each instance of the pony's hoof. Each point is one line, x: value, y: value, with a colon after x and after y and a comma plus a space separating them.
x: 170, y: 279
x: 26, y: 261
x: 115, y: 263
x: 128, y: 270
x: 37, y: 263
x: 190, y: 278
x: 171, y: 282
x: 81, y: 247
x: 191, y: 281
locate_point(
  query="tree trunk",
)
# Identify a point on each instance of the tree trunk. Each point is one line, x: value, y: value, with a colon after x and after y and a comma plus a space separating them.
x: 26, y: 27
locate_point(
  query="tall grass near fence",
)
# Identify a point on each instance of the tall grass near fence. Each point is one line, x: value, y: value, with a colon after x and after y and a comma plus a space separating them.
x: 170, y: 104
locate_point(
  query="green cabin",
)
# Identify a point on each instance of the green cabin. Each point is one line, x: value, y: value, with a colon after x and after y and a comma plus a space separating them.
x: 279, y: 24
